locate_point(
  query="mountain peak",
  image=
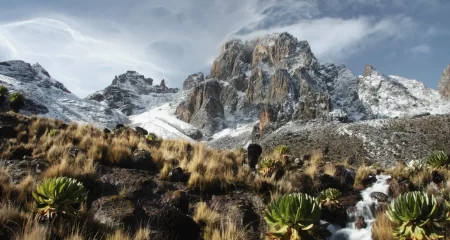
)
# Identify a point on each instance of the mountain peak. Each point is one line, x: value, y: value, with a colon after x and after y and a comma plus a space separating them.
x: 132, y: 93
x: 369, y: 69
x: 444, y: 83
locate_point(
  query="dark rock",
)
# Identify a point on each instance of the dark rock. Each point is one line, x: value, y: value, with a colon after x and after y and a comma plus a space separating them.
x: 142, y: 160
x: 193, y: 80
x: 106, y: 131
x: 334, y: 214
x: 141, y: 131
x: 379, y: 196
x: 360, y: 223
x: 178, y: 175
x: 39, y: 165
x: 7, y: 132
x: 119, y: 126
x: 437, y: 177
x: 180, y: 201
x: 369, y: 180
x: 328, y: 181
x: 382, y: 208
x: 195, y: 134
x: 172, y: 224
x: 116, y: 212
x: 253, y: 153
x: 73, y: 151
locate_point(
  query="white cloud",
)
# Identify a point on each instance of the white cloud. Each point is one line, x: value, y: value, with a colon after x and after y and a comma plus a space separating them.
x: 171, y: 38
x: 421, y: 49
x: 334, y: 39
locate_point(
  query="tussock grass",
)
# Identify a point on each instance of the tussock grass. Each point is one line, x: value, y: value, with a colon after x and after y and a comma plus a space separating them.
x: 382, y: 228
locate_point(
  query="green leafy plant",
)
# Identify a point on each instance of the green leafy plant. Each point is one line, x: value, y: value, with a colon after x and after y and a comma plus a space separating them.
x: 152, y: 137
x: 438, y: 160
x: 282, y: 149
x: 415, y: 166
x: 418, y: 214
x: 267, y: 166
x: 329, y: 197
x: 3, y: 91
x: 53, y: 132
x: 57, y: 196
x: 295, y: 216
x: 16, y: 101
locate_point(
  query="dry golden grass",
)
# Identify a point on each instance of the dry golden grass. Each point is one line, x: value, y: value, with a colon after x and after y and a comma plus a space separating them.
x: 317, y: 157
x: 312, y: 170
x: 205, y: 216
x: 330, y: 169
x: 382, y: 228
x: 362, y: 173
x: 227, y: 230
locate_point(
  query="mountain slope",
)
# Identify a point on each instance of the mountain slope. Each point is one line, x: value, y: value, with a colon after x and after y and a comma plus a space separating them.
x: 132, y: 93
x: 49, y: 98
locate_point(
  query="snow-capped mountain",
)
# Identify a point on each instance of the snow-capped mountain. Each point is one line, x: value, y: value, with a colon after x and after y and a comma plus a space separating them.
x: 47, y: 97
x: 277, y: 79
x: 253, y: 89
x: 132, y: 93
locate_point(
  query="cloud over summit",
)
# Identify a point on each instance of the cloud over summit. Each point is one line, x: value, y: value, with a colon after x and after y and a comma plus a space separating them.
x: 84, y: 44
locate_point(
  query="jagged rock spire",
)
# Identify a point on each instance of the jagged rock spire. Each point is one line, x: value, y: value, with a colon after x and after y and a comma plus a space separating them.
x: 444, y: 83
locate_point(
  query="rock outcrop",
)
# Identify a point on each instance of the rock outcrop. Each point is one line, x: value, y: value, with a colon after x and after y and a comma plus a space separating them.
x: 46, y: 97
x: 132, y: 93
x: 444, y: 84
x: 277, y: 79
x: 203, y: 108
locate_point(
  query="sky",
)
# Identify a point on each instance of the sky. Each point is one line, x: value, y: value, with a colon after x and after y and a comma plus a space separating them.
x: 85, y: 43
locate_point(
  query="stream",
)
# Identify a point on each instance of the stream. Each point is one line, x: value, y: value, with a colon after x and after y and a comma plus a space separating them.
x: 364, y: 209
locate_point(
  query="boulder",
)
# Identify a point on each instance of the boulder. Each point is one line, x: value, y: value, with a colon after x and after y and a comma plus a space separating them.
x: 7, y: 131
x: 141, y: 131
x: 142, y: 160
x: 334, y: 214
x: 179, y: 200
x: 178, y: 175
x: 117, y: 212
x: 172, y: 224
x: 360, y: 223
x: 253, y: 153
x: 379, y: 196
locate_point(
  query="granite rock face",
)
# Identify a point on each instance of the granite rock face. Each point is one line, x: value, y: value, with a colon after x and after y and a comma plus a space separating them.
x: 132, y: 93
x: 444, y: 84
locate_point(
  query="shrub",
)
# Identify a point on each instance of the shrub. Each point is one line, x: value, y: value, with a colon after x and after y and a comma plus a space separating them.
x: 268, y: 166
x: 282, y: 149
x: 152, y: 137
x: 438, y: 160
x: 16, y: 101
x: 57, y: 196
x: 3, y: 91
x: 419, y: 216
x: 53, y: 132
x: 415, y: 166
x: 295, y: 216
x: 329, y: 197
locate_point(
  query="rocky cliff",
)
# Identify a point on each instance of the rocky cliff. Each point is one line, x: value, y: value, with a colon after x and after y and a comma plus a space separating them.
x: 276, y: 79
x: 132, y: 93
x: 444, y: 84
x: 45, y: 96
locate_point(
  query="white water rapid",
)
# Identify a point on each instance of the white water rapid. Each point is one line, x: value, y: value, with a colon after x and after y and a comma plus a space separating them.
x: 363, y: 208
